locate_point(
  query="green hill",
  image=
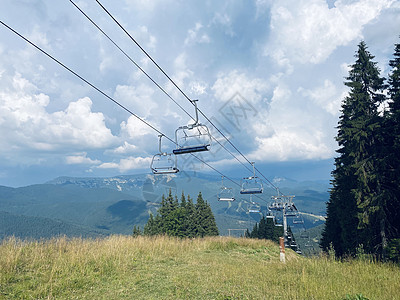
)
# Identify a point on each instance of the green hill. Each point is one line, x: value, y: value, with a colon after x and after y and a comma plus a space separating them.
x: 113, y: 205
x: 94, y: 208
x: 26, y: 227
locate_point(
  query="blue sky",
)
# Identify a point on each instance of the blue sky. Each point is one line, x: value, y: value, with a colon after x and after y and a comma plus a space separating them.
x: 269, y: 73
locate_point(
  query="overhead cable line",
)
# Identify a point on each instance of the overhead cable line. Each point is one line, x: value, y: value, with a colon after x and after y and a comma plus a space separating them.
x: 182, y: 92
x: 137, y: 65
x: 152, y: 80
x: 107, y: 96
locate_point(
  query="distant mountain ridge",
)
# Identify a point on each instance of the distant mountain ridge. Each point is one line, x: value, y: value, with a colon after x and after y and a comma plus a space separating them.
x: 107, y: 205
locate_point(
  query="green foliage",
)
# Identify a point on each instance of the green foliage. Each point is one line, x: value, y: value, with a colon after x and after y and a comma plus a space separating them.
x: 393, y: 250
x: 266, y: 229
x: 364, y: 204
x: 136, y: 231
x: 183, y: 219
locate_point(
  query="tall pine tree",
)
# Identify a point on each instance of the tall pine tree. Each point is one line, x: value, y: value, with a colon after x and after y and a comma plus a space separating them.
x: 354, y: 203
x: 391, y: 166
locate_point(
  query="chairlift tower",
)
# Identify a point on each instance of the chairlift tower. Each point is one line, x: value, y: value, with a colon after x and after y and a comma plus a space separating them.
x: 286, y: 206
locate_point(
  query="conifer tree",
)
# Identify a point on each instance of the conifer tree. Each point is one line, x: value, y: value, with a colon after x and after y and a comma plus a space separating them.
x: 205, y: 221
x: 190, y: 218
x: 182, y: 219
x: 391, y: 166
x: 355, y: 196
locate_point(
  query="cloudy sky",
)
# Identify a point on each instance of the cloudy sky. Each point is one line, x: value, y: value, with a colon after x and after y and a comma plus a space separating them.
x: 268, y: 73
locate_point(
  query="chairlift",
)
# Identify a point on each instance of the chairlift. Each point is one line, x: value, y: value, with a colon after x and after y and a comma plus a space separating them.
x: 275, y: 206
x: 298, y: 220
x: 291, y: 210
x: 252, y: 184
x: 163, y: 162
x: 253, y: 207
x: 225, y: 193
x: 191, y: 138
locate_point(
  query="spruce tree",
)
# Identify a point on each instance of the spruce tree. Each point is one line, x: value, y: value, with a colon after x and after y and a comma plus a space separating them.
x: 191, y: 226
x: 205, y: 221
x: 354, y: 203
x: 392, y: 162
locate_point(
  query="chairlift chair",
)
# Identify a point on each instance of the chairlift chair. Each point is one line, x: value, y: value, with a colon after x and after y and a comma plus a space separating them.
x: 291, y: 210
x: 191, y: 138
x: 298, y: 220
x: 225, y: 193
x: 163, y: 162
x: 253, y: 207
x: 252, y: 184
x: 275, y: 206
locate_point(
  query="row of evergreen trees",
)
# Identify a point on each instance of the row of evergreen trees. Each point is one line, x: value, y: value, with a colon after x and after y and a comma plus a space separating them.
x: 266, y: 229
x: 364, y: 204
x: 181, y: 219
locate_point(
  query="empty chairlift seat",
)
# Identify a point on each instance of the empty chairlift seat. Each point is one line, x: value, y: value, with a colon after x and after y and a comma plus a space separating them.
x: 251, y: 185
x: 162, y: 162
x: 191, y: 138
x: 225, y: 193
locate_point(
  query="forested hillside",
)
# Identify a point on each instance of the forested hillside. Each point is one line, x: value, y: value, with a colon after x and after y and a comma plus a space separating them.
x: 116, y: 204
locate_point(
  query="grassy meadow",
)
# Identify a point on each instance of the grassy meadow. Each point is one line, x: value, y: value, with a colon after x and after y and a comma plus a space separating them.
x: 123, y: 267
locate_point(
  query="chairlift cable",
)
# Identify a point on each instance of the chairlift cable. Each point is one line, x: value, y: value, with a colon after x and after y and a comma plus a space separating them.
x: 149, y: 77
x: 107, y: 96
x: 137, y: 65
x: 180, y: 90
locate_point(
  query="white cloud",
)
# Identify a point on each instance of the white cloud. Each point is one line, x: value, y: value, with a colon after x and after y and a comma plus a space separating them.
x: 328, y: 96
x: 138, y: 99
x: 225, y: 21
x: 26, y: 124
x: 307, y: 31
x: 127, y: 164
x: 124, y: 149
x: 298, y: 129
x: 135, y: 129
x: 81, y: 159
x: 252, y: 89
x: 195, y: 36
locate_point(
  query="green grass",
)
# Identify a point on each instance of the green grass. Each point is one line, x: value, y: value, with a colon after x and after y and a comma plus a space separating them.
x: 121, y: 267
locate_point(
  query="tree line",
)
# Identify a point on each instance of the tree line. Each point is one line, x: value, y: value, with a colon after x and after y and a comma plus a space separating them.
x: 266, y: 229
x: 364, y: 205
x: 181, y: 218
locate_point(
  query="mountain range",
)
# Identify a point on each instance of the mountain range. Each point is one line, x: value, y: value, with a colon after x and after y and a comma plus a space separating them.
x: 95, y: 206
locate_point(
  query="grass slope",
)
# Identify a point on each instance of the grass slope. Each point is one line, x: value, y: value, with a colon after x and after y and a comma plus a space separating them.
x: 120, y: 267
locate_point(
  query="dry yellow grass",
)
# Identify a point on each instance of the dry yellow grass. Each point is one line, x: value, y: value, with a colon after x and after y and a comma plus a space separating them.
x: 121, y: 267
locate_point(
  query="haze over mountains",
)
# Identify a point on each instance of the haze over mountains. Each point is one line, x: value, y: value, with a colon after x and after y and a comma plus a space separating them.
x: 91, y: 207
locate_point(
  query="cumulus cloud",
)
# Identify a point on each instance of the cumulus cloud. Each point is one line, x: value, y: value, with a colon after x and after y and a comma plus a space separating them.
x: 128, y: 164
x: 328, y: 96
x: 26, y: 124
x: 308, y: 31
x: 195, y: 36
x: 298, y: 130
x: 81, y: 159
x: 137, y: 98
x: 125, y: 148
x: 135, y: 129
x: 228, y: 84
